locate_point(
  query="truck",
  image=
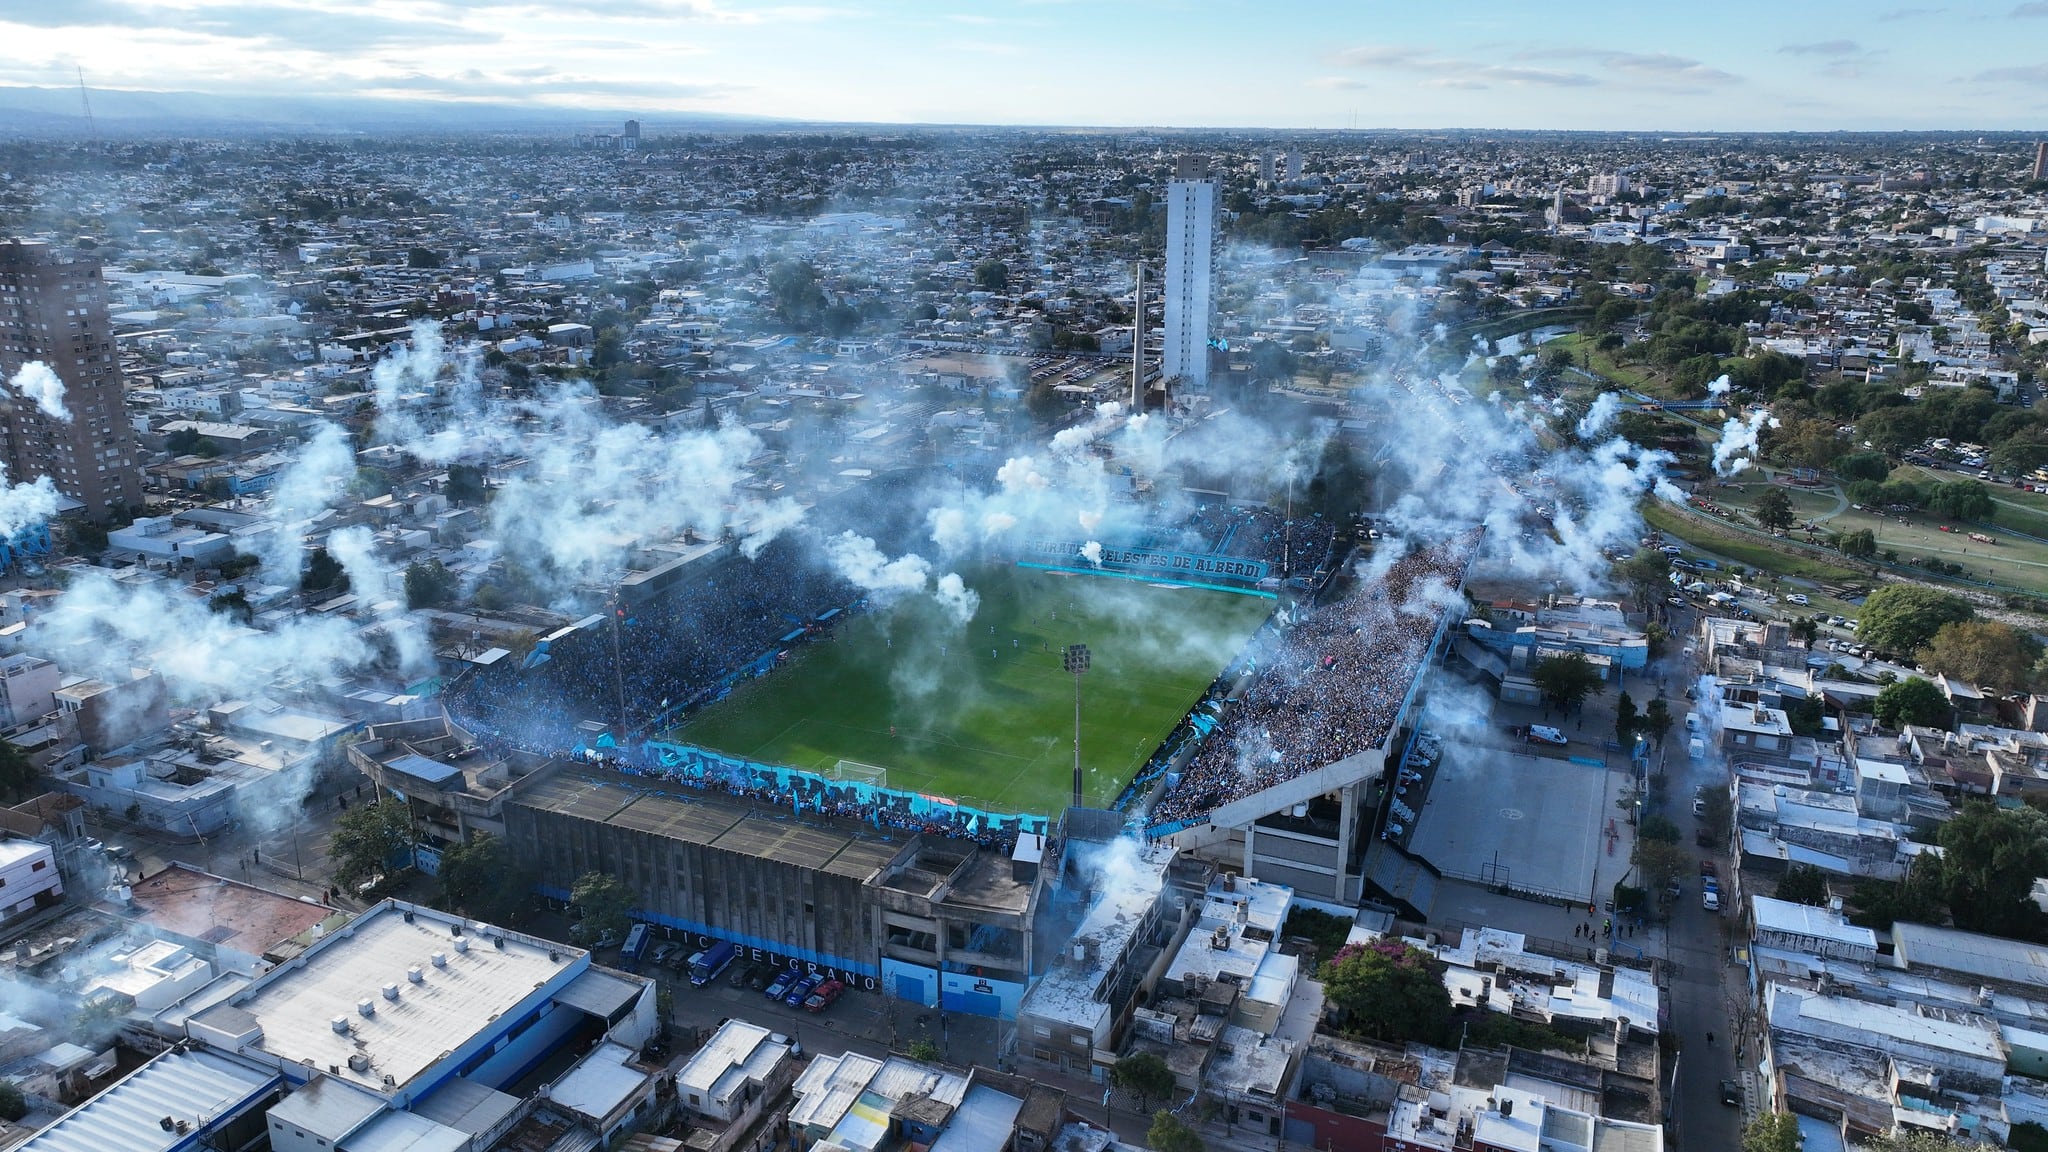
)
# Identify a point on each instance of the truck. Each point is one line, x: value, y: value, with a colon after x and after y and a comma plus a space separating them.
x: 1696, y: 748
x: 709, y: 963
x: 634, y: 947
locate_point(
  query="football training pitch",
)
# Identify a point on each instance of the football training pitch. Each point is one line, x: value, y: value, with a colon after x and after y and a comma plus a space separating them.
x: 984, y: 712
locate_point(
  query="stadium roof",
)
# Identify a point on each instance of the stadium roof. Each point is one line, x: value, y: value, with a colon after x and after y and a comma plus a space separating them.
x: 695, y: 817
x: 196, y: 1086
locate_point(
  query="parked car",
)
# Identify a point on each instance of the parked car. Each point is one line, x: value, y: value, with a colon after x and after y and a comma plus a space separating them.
x: 1731, y: 1093
x: 780, y: 986
x: 823, y: 997
x: 802, y: 990
x: 660, y: 955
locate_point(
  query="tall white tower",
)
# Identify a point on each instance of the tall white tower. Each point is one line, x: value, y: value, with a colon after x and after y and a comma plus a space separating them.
x: 1190, y: 260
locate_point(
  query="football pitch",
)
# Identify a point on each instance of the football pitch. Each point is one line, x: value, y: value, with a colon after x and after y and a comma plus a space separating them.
x: 984, y: 712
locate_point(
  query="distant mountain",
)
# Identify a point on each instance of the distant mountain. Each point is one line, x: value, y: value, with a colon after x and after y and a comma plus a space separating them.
x: 26, y: 111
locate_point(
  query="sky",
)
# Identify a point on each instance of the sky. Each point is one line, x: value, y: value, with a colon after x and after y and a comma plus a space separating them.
x: 1736, y: 65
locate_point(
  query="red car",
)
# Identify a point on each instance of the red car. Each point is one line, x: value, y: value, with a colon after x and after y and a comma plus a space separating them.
x: 1706, y: 868
x: 823, y: 997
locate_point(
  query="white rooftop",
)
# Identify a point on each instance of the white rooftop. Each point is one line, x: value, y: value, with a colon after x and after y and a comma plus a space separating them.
x: 1989, y: 957
x: 599, y: 1082
x: 476, y: 982
x: 1774, y: 915
x: 128, y: 1116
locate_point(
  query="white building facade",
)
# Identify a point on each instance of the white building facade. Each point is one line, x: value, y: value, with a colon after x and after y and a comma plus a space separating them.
x: 1190, y: 273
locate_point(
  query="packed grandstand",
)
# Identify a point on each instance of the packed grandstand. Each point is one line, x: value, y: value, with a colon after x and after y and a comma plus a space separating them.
x: 1333, y: 686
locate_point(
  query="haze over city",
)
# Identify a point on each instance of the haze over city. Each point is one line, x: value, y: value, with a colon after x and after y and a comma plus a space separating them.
x: 663, y: 575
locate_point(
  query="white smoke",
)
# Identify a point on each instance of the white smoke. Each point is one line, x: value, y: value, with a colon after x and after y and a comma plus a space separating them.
x: 35, y: 381
x: 380, y: 586
x: 1720, y: 385
x: 317, y: 478
x: 1600, y: 416
x: 856, y: 558
x: 953, y: 594
x: 26, y: 505
x: 1739, y: 441
x: 1092, y: 552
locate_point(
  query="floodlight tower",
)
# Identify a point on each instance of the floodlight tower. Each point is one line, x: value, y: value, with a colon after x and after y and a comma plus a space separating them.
x: 1075, y: 657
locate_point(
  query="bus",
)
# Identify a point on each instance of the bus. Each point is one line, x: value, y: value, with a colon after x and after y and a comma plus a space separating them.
x: 635, y: 945
x: 713, y: 960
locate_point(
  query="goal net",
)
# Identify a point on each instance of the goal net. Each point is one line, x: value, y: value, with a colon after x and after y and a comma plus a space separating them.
x: 873, y: 775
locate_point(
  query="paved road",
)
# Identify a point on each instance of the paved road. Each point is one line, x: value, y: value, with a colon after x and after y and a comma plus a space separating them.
x: 1705, y: 989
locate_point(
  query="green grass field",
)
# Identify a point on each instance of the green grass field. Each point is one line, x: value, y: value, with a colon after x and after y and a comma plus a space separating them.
x: 985, y: 717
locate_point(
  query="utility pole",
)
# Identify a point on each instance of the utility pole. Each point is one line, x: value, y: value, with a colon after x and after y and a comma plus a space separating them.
x: 1075, y: 658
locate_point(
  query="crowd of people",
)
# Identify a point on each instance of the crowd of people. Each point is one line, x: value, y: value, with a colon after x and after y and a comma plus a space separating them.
x: 679, y: 649
x: 1249, y: 532
x: 801, y: 793
x: 1333, y: 688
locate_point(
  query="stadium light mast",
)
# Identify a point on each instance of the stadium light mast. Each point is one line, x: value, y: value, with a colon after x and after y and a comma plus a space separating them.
x: 1075, y: 657
x: 617, y: 614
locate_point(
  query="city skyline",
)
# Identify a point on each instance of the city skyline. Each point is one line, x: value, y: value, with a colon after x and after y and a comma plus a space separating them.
x: 1740, y: 67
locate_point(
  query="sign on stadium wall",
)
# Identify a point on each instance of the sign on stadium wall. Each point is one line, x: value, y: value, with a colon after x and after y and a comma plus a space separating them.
x: 1150, y: 561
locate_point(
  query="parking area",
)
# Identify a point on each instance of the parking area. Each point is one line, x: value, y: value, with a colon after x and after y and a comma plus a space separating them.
x: 1540, y: 824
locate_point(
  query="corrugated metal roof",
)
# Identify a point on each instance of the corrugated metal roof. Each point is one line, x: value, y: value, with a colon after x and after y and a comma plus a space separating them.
x: 194, y: 1086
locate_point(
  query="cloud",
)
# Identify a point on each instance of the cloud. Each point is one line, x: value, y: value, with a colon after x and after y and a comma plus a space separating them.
x: 2036, y: 10
x: 536, y: 84
x: 1896, y: 14
x: 2034, y: 75
x: 1824, y: 48
x: 296, y: 25
x: 1657, y: 69
x: 1451, y: 72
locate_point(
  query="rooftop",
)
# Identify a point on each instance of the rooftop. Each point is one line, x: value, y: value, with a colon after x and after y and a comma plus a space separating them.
x: 1987, y: 957
x: 466, y: 982
x: 193, y: 1085
x: 185, y: 901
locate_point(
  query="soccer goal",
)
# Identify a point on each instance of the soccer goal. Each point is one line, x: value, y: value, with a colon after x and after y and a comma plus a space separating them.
x: 871, y: 774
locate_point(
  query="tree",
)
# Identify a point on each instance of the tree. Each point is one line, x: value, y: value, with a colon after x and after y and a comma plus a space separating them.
x: 1893, y: 431
x: 1625, y: 721
x: 233, y: 604
x: 1772, y: 1132
x: 1861, y: 543
x: 924, y: 1050
x: 1169, y: 1133
x: 19, y: 778
x: 323, y: 573
x: 1910, y: 701
x: 1656, y: 720
x: 13, y: 1105
x: 1144, y: 1075
x: 2028, y: 1136
x: 1774, y: 510
x: 1647, y: 573
x: 1983, y: 652
x: 481, y: 879
x: 992, y: 276
x: 422, y: 258
x: 1870, y: 466
x: 1566, y: 680
x: 1962, y: 499
x: 465, y: 484
x: 1990, y: 857
x: 1717, y: 813
x: 1918, y: 898
x: 605, y: 903
x: 1904, y: 617
x: 369, y: 840
x: 1661, y: 863
x: 428, y: 585
x: 1389, y: 988
x: 1804, y: 884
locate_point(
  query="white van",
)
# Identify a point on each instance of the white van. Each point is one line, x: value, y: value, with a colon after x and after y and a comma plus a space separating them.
x: 1692, y: 721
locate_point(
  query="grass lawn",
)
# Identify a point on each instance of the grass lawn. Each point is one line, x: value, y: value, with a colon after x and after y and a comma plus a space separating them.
x: 1745, y: 550
x: 987, y: 717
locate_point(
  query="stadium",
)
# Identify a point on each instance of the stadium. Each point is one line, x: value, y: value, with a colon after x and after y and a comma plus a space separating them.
x: 1242, y: 694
